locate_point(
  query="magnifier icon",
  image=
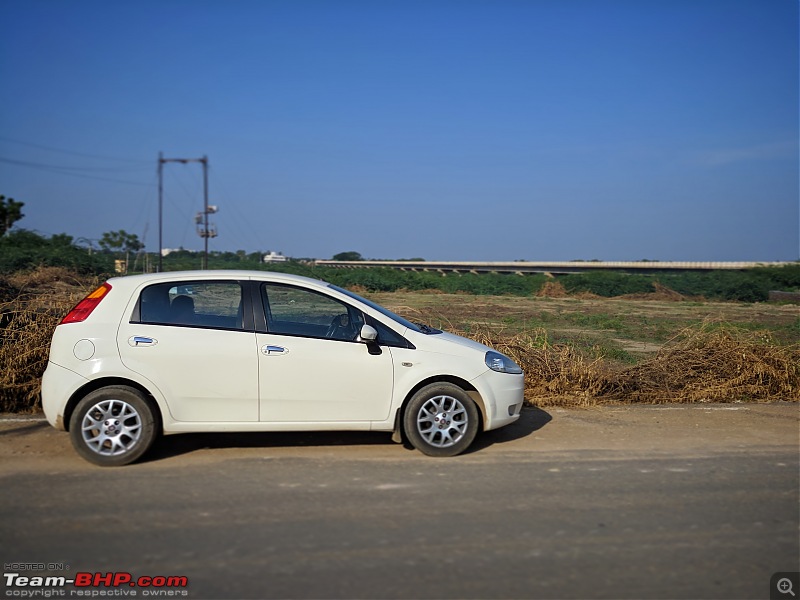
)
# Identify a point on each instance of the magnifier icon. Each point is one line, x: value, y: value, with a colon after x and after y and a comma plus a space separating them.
x: 785, y: 586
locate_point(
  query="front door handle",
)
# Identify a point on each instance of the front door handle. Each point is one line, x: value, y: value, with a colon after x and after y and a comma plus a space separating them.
x: 274, y: 350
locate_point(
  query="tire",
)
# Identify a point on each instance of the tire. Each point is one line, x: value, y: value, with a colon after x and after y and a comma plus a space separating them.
x: 441, y: 420
x: 113, y: 426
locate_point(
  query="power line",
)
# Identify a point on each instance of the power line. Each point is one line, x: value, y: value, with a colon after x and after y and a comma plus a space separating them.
x: 244, y: 225
x: 66, y: 171
x: 26, y: 163
x: 192, y: 201
x: 72, y: 152
x: 204, y: 229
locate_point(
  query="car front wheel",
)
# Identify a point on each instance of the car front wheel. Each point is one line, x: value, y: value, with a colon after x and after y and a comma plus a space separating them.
x: 441, y: 420
x: 113, y: 426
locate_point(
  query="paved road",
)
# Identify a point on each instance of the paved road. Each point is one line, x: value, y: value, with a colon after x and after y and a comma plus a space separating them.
x: 629, y: 502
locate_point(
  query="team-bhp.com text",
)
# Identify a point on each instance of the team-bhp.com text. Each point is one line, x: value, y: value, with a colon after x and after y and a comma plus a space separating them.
x: 115, y: 584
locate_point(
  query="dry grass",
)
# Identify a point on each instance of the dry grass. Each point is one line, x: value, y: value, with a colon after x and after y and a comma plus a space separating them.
x: 713, y: 362
x: 555, y: 374
x: 552, y: 289
x: 716, y: 363
x: 31, y: 305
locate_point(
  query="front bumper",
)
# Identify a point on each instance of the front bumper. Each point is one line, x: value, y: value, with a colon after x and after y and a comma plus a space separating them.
x: 503, y: 395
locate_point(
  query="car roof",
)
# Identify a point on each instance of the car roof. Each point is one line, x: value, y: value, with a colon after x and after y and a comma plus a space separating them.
x: 222, y: 274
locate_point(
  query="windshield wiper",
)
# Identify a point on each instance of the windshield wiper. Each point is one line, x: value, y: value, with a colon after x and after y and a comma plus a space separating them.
x: 426, y: 329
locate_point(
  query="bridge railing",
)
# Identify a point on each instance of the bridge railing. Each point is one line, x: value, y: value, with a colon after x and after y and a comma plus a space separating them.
x: 554, y: 267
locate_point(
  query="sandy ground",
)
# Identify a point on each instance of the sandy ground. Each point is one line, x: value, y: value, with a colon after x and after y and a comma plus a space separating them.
x: 27, y: 442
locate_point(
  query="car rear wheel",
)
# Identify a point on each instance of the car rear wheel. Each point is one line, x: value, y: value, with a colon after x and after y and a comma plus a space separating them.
x: 441, y: 420
x: 113, y: 426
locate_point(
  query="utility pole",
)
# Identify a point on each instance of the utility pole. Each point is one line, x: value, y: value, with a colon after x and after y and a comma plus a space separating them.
x: 206, y: 231
x: 160, y: 206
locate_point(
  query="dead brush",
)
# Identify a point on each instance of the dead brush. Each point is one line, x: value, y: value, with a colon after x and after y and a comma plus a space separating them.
x: 555, y: 374
x: 552, y: 289
x: 33, y: 305
x: 715, y: 363
x: 660, y: 293
x: 711, y: 362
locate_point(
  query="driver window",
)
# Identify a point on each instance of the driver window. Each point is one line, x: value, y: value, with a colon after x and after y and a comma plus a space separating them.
x: 296, y: 311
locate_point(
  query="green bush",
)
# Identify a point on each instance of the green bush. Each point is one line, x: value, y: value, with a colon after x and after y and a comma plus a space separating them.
x: 22, y: 250
x: 752, y: 285
x: 608, y: 284
x: 390, y: 280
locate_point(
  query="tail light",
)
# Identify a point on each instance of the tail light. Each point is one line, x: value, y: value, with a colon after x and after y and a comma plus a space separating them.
x: 85, y: 307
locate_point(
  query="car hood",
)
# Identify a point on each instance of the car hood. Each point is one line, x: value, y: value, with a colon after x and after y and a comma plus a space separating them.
x: 447, y: 343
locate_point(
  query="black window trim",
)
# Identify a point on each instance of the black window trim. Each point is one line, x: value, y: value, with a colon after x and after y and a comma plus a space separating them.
x: 258, y: 297
x: 405, y: 344
x: 248, y: 325
x: 263, y: 300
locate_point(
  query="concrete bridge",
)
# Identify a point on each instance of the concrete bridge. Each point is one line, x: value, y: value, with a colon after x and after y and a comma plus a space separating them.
x: 551, y: 268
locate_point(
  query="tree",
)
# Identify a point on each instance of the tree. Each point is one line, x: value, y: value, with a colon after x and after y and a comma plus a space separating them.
x: 61, y: 239
x: 348, y: 256
x: 10, y: 213
x: 25, y: 250
x: 120, y: 241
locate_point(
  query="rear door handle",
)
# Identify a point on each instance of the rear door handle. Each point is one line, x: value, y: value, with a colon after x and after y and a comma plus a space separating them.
x: 139, y: 340
x: 274, y: 350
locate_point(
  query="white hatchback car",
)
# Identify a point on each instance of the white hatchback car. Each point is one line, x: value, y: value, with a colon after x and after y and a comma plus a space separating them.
x: 257, y: 351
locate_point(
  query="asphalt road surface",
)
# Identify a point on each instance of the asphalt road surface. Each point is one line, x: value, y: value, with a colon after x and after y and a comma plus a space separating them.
x: 623, y: 502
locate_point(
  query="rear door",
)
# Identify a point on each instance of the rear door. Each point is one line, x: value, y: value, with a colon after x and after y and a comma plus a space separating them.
x: 192, y: 340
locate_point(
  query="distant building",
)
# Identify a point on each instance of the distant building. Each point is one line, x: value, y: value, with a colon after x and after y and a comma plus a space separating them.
x: 274, y: 257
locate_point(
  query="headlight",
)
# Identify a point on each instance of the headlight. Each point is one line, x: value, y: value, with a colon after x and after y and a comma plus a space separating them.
x: 502, y: 364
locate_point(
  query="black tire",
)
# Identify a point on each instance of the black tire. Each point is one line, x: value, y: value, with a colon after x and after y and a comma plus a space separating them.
x: 113, y: 426
x: 441, y: 420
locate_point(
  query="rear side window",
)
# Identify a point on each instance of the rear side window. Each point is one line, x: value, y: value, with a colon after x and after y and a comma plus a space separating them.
x: 213, y: 304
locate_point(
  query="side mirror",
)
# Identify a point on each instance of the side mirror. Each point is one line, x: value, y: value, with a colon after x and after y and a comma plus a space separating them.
x: 368, y: 334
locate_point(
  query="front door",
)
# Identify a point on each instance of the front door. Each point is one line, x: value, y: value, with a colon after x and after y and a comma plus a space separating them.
x: 311, y: 368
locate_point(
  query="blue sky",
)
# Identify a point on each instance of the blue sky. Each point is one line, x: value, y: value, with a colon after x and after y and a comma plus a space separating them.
x: 442, y: 129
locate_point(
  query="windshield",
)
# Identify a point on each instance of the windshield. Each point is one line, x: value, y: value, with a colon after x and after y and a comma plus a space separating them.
x: 418, y: 327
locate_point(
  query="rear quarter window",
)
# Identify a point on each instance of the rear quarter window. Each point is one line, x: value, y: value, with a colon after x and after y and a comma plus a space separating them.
x: 214, y: 304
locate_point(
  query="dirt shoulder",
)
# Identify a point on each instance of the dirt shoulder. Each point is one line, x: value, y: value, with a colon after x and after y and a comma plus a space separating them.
x: 675, y: 430
x: 28, y: 443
